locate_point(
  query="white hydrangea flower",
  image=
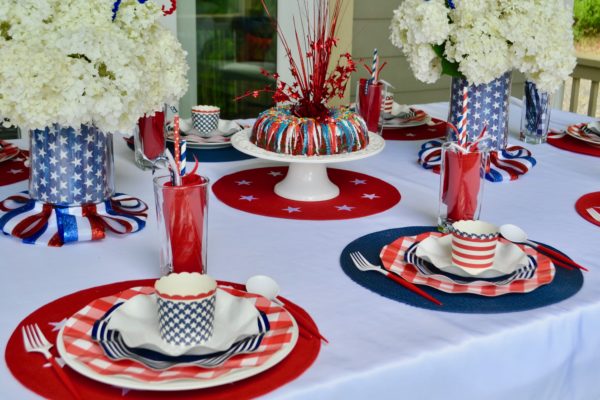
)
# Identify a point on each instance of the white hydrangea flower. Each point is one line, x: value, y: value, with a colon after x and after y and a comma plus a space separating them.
x: 67, y: 62
x: 487, y: 38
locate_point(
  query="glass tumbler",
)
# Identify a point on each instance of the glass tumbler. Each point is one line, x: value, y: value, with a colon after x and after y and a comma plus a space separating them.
x: 182, y: 213
x: 462, y: 176
x: 535, y: 115
x: 369, y: 98
x: 149, y: 140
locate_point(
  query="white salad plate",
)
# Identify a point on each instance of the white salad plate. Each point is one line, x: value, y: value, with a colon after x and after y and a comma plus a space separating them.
x: 438, y: 251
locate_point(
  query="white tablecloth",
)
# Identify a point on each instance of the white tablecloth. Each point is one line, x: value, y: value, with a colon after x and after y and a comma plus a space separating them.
x: 379, y: 347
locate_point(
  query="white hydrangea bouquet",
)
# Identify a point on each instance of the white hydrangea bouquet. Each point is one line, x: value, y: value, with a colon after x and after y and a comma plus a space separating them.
x: 94, y: 62
x: 481, y: 39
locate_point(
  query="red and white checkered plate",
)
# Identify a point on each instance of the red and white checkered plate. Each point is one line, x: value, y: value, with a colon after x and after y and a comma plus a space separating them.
x: 392, y: 257
x: 8, y: 151
x: 83, y: 354
x: 580, y: 132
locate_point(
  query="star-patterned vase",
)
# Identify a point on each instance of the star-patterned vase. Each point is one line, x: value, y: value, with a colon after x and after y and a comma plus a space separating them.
x: 71, y: 166
x: 487, y: 106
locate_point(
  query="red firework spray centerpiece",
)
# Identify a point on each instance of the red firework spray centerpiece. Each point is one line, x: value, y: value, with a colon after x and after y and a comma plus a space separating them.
x: 314, y: 84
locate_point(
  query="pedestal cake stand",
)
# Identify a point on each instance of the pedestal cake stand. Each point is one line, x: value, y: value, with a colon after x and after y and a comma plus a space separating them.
x: 307, y: 178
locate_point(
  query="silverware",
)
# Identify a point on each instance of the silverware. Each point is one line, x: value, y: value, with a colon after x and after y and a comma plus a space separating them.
x: 364, y: 265
x: 35, y: 341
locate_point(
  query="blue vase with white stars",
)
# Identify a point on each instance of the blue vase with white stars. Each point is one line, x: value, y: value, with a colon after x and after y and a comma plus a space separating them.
x: 487, y: 106
x: 71, y: 166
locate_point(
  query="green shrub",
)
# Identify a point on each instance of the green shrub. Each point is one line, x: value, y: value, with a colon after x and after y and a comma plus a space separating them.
x: 587, y: 18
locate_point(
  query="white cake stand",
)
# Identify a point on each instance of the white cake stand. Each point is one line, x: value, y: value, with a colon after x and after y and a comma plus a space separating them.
x: 307, y: 178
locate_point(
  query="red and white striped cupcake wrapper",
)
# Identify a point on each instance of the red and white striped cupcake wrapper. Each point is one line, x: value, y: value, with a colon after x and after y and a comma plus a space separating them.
x: 473, y: 253
x: 392, y: 257
x: 79, y: 344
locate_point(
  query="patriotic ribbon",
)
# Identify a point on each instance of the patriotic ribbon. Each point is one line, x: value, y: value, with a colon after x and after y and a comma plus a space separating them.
x: 35, y: 222
x: 504, y: 165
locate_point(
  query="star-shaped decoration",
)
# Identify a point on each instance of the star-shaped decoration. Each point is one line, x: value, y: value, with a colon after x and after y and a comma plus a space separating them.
x: 15, y: 171
x: 76, y: 177
x: 56, y: 326
x: 88, y: 169
x: 88, y: 197
x: 243, y: 183
x: 275, y: 173
x: 344, y: 208
x: 359, y: 181
x: 76, y: 162
x: 88, y: 154
x: 89, y: 182
x: 53, y: 175
x: 370, y: 196
x: 291, y: 209
x: 248, y: 198
x: 90, y: 138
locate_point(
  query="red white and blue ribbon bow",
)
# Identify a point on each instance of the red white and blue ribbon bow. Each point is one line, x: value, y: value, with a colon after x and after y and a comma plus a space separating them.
x: 505, y: 165
x: 36, y: 222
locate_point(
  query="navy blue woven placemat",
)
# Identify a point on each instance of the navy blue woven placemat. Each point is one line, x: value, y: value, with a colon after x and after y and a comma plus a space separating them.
x: 565, y: 284
x: 208, y: 155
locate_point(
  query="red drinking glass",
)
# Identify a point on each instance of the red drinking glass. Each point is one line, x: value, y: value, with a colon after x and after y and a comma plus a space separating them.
x: 182, y: 213
x: 369, y: 100
x: 461, y: 189
x: 150, y: 139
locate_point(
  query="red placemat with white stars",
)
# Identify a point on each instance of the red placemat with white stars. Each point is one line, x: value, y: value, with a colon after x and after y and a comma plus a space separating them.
x: 252, y: 191
x: 34, y: 372
x: 14, y: 170
x: 435, y: 129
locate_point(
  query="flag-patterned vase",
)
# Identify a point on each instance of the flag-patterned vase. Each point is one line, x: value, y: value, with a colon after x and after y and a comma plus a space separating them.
x: 71, y: 166
x: 487, y: 106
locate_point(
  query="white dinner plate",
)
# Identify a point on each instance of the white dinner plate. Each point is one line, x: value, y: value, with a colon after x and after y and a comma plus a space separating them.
x: 581, y: 132
x: 226, y: 129
x: 168, y: 379
x: 438, y: 250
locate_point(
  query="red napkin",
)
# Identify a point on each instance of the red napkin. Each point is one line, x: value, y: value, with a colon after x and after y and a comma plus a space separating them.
x: 461, y: 185
x: 152, y: 134
x: 184, y: 211
x: 369, y: 103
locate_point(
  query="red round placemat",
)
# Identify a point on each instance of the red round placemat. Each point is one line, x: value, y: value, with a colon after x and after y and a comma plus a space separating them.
x: 29, y: 368
x: 566, y: 142
x: 588, y: 206
x: 436, y: 129
x: 14, y: 170
x: 252, y: 190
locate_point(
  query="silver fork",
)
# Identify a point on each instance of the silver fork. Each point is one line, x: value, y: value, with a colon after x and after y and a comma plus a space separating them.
x: 364, y: 265
x: 35, y: 341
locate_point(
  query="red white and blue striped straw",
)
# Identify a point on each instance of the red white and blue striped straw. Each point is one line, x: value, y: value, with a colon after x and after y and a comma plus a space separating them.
x: 176, y: 144
x: 374, y: 68
x: 462, y: 127
x: 182, y: 157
